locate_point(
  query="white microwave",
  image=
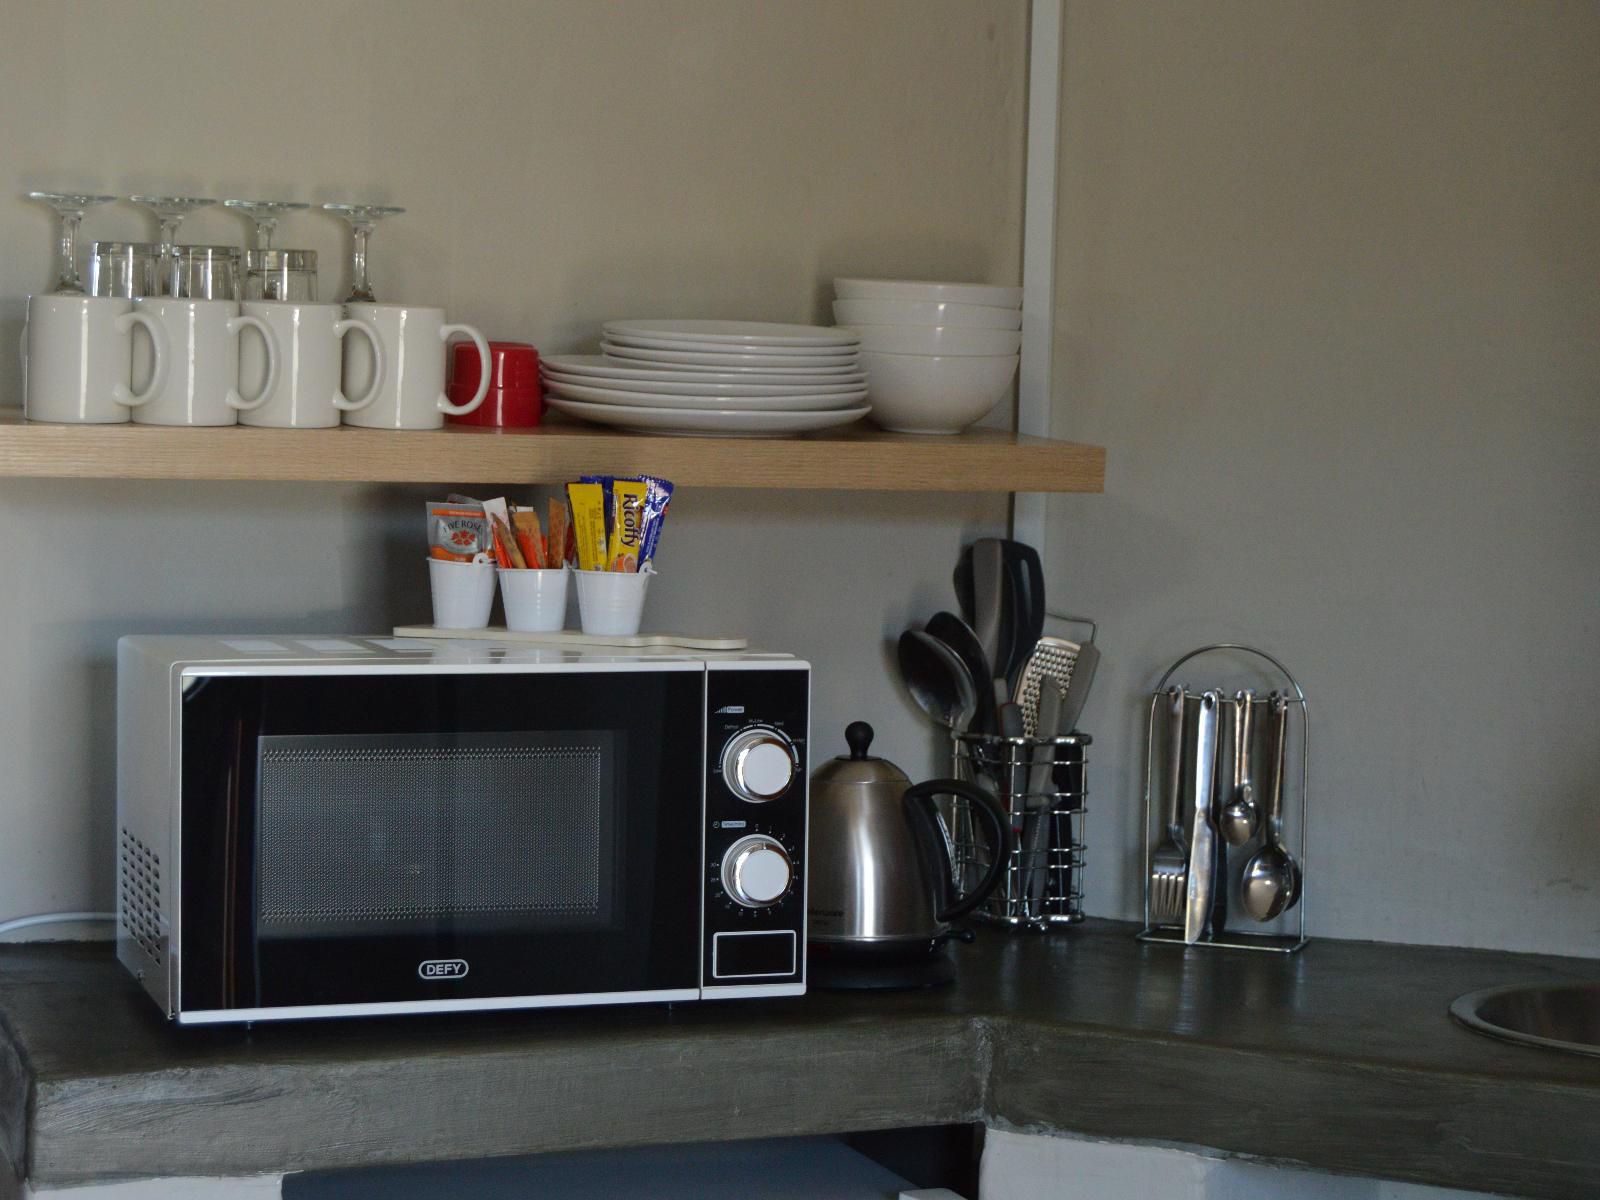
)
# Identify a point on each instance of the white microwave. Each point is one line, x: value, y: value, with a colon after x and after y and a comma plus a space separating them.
x: 318, y: 827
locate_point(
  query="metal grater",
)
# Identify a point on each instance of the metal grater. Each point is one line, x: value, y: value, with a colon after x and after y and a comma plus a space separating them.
x: 1050, y: 665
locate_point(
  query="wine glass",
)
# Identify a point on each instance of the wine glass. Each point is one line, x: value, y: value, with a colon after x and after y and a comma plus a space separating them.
x: 265, y: 213
x: 362, y: 218
x: 171, y: 210
x: 69, y: 207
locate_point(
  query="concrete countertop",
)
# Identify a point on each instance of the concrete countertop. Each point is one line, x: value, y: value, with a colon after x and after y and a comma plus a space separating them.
x: 1341, y: 1058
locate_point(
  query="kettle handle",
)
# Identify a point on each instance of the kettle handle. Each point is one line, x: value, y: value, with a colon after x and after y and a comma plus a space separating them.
x: 923, y: 815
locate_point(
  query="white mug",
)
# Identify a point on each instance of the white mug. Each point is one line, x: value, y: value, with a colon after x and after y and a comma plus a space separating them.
x: 412, y: 396
x: 202, y: 384
x: 77, y: 359
x: 307, y: 394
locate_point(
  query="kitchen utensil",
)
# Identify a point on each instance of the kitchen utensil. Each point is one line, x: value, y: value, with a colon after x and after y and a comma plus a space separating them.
x: 938, y: 680
x: 69, y: 207
x: 612, y: 602
x: 281, y: 275
x: 718, y: 422
x: 700, y: 399
x: 1040, y: 801
x: 265, y: 215
x: 204, y: 272
x: 856, y: 313
x: 644, y: 376
x: 1272, y: 877
x: 1240, y: 817
x: 881, y: 897
x: 1202, y: 837
x: 516, y: 393
x: 307, y: 393
x: 361, y: 218
x: 958, y: 635
x: 1025, y: 576
x: 1049, y: 667
x: 412, y: 394
x: 1078, y: 688
x: 991, y: 600
x: 202, y: 340
x: 709, y: 356
x: 1169, y: 864
x: 935, y: 393
x: 706, y: 393
x: 124, y: 269
x: 170, y: 212
x: 78, y: 359
x: 929, y: 291
x: 956, y: 341
x: 730, y: 333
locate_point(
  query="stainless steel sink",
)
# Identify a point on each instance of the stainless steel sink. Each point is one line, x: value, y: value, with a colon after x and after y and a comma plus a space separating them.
x: 1559, y: 1016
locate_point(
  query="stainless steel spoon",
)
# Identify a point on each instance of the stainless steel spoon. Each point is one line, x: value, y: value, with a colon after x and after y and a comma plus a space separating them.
x: 938, y: 680
x: 1272, y: 878
x: 1241, y: 817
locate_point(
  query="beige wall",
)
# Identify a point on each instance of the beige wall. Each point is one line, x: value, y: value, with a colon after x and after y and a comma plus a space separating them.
x: 1328, y: 290
x: 561, y: 163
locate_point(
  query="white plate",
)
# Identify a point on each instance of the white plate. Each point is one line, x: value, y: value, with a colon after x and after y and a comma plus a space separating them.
x: 847, y: 385
x: 814, y: 402
x: 594, y: 366
x: 853, y: 367
x: 737, y: 333
x: 713, y: 359
x: 717, y: 422
x: 734, y: 348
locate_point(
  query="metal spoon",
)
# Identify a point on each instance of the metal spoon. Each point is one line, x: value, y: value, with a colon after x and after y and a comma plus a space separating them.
x: 1272, y: 878
x: 938, y: 680
x: 959, y: 636
x: 1240, y: 817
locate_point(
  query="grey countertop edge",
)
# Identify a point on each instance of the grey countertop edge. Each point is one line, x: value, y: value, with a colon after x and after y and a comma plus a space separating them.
x: 1347, y: 1062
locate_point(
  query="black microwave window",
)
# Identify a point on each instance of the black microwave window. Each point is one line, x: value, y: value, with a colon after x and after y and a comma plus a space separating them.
x: 377, y: 832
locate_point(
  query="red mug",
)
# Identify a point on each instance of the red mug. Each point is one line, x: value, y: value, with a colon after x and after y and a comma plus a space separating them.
x: 515, y: 399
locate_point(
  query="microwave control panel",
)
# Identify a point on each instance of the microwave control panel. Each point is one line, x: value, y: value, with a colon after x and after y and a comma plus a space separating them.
x: 755, y: 836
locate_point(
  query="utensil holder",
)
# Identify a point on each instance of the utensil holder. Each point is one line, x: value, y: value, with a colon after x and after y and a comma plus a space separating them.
x: 1034, y: 779
x: 1275, y: 943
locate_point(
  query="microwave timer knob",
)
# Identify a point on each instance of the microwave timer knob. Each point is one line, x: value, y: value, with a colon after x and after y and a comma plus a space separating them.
x: 758, y: 764
x: 756, y: 871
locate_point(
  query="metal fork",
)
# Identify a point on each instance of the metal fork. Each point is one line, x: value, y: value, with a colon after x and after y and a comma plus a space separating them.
x: 1169, y: 864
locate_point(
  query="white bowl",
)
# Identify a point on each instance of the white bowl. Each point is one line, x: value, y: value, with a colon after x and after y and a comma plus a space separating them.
x: 924, y: 312
x: 927, y: 290
x: 938, y: 339
x: 934, y: 393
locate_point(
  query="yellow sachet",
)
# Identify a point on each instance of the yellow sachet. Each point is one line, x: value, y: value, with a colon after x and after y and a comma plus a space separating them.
x: 589, y: 524
x: 627, y: 524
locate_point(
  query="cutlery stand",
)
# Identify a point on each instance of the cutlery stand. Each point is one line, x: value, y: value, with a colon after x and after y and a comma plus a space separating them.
x: 1290, y: 934
x: 1041, y: 785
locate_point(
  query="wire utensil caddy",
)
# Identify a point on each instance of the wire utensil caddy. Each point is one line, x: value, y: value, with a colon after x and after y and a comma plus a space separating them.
x: 1166, y: 844
x: 1041, y: 785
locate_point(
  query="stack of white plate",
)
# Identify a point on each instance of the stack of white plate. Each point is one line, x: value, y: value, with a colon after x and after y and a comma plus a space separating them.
x: 725, y: 378
x: 938, y: 356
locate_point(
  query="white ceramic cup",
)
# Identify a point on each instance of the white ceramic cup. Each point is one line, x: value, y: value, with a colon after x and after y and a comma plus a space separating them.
x: 77, y: 359
x: 202, y: 383
x: 307, y: 394
x: 411, y: 396
x: 612, y: 602
x: 463, y: 593
x: 535, y: 598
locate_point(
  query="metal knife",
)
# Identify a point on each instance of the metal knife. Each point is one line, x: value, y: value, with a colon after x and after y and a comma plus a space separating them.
x: 1202, y: 841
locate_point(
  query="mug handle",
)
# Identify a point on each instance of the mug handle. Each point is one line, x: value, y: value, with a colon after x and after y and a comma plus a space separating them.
x: 461, y: 410
x: 378, y: 365
x: 235, y: 324
x: 122, y: 393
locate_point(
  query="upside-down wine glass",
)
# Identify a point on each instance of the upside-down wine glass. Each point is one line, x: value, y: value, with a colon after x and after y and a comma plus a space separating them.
x: 362, y: 218
x: 170, y: 210
x: 69, y: 206
x: 266, y: 214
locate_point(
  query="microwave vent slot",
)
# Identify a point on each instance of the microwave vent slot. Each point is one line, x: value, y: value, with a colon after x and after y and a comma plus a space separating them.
x: 140, y: 887
x: 357, y: 829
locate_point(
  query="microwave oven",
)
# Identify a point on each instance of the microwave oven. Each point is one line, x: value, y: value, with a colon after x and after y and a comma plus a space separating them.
x: 317, y: 827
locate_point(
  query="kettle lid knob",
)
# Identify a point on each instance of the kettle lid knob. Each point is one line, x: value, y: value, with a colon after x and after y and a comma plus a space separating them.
x: 858, y: 736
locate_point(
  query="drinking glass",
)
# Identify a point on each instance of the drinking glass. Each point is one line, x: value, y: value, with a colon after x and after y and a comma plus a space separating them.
x: 171, y: 210
x: 69, y: 206
x: 362, y: 217
x: 125, y: 269
x: 205, y: 272
x: 281, y: 275
x: 266, y: 214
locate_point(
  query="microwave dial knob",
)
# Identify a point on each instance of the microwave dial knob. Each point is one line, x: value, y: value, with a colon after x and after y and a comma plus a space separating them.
x: 756, y: 871
x: 758, y: 765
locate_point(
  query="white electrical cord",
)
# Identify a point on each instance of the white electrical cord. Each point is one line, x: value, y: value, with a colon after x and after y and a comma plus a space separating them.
x: 61, y: 918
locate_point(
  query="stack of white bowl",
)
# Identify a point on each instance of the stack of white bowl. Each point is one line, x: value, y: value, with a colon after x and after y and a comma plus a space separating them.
x: 938, y: 356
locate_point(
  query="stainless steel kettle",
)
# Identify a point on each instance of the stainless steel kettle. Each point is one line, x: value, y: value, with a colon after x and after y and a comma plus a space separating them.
x: 881, y: 890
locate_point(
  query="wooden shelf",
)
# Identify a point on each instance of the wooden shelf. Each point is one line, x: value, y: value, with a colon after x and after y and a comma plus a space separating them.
x: 858, y: 458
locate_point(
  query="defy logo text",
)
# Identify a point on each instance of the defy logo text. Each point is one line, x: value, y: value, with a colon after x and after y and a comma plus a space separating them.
x: 443, y: 968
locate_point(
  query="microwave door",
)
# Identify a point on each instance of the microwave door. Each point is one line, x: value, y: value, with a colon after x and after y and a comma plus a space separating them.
x: 416, y: 839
